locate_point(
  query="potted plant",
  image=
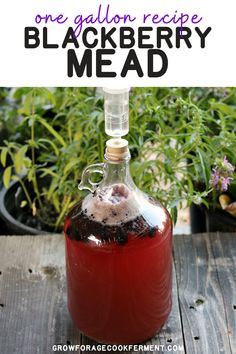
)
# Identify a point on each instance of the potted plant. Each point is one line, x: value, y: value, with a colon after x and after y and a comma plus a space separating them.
x: 194, y: 132
x: 217, y: 169
x: 46, y: 165
x: 8, y: 116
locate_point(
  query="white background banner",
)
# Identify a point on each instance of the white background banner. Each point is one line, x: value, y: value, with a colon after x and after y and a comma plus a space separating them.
x: 165, y: 43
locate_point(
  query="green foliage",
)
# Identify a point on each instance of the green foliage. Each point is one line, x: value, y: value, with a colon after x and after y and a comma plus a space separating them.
x: 185, y: 131
x: 8, y: 113
x: 175, y: 136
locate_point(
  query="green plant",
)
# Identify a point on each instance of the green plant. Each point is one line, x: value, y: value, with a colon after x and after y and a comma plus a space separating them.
x: 187, y: 131
x: 176, y: 135
x: 8, y: 112
x: 59, y: 147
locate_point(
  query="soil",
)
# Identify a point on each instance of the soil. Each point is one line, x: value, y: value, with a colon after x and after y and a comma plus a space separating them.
x: 44, y: 220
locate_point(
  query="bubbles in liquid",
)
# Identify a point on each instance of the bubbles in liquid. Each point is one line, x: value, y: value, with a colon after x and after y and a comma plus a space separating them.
x: 116, y: 204
x: 116, y: 214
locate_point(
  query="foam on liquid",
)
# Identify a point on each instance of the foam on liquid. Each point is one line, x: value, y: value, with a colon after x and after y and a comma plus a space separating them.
x: 112, y: 205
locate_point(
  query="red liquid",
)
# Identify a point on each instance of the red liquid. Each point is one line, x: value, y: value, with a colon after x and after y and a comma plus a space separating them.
x: 119, y: 291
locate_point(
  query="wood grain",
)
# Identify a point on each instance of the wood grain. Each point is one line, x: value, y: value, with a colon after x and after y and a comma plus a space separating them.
x: 32, y: 290
x: 203, y: 304
x: 224, y: 251
x: 33, y: 310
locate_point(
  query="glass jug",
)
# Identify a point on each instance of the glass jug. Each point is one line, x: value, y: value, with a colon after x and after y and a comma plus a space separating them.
x: 118, y: 255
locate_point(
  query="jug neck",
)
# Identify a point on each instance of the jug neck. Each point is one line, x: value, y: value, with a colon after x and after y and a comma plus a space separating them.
x: 115, y: 170
x: 116, y: 167
x: 118, y: 172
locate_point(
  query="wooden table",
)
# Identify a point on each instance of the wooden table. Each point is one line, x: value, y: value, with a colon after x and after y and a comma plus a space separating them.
x: 33, y: 311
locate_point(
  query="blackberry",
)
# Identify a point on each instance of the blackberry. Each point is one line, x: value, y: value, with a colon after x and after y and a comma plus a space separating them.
x: 122, y: 237
x: 104, y: 233
x: 73, y: 232
x: 152, y: 232
x: 69, y: 231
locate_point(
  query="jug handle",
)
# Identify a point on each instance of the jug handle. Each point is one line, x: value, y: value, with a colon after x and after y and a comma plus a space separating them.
x: 86, y: 182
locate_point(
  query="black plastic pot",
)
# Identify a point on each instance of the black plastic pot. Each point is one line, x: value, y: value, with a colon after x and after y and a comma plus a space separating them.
x: 8, y: 210
x: 210, y: 220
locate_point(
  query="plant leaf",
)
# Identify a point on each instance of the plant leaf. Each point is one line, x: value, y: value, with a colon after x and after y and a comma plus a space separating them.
x: 19, y: 157
x: 224, y: 108
x: 174, y: 214
x: 190, y: 185
x: 56, y: 202
x: 50, y: 143
x: 23, y: 203
x: 48, y: 94
x: 205, y: 168
x: 7, y: 176
x: 47, y: 171
x: 70, y: 164
x: 27, y: 105
x: 4, y: 156
x: 31, y: 174
x: 15, y: 178
x: 52, y: 131
x: 52, y: 188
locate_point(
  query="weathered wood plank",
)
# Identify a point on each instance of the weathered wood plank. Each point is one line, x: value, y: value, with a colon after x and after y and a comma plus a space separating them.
x: 224, y: 250
x: 33, y: 292
x: 203, y: 306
